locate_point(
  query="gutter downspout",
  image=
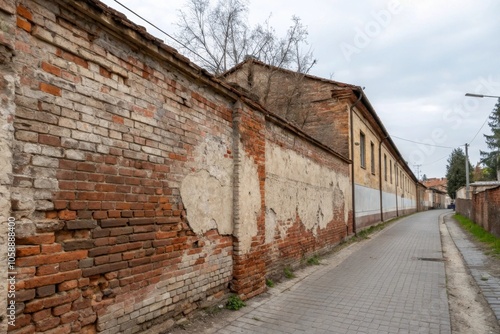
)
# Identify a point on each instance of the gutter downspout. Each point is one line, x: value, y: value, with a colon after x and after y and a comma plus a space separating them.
x: 380, y: 176
x: 396, y: 184
x: 351, y: 110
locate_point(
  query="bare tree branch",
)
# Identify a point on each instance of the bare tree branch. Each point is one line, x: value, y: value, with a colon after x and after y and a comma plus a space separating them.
x: 220, y: 34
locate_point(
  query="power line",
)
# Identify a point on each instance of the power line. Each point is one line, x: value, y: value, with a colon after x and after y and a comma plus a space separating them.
x: 416, y: 142
x: 430, y: 163
x: 479, y: 129
x: 159, y: 29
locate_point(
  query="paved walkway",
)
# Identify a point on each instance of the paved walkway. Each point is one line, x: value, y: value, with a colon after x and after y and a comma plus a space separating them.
x: 477, y: 263
x: 394, y: 283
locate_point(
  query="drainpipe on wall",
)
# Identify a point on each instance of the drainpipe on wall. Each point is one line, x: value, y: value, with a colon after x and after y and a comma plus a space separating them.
x: 351, y: 110
x: 380, y: 177
x: 396, y: 184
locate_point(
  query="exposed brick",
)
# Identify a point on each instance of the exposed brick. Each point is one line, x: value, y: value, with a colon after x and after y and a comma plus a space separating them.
x: 40, y: 315
x: 51, y: 258
x: 67, y: 215
x: 51, y: 89
x: 46, y: 324
x: 116, y: 165
x: 24, y: 295
x: 47, y: 269
x: 45, y: 291
x: 41, y: 238
x: 51, y: 248
x: 23, y: 24
x: 81, y: 224
x: 24, y: 12
x: 68, y: 265
x: 51, y: 69
x: 70, y: 245
x: 27, y: 250
x: 105, y: 268
x: 49, y: 140
x: 51, y: 279
x: 61, y: 309
x: 68, y: 285
x: 114, y: 222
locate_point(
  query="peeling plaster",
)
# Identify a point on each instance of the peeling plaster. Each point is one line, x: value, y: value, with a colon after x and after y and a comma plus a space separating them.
x: 249, y: 201
x: 207, y: 192
x: 296, y: 185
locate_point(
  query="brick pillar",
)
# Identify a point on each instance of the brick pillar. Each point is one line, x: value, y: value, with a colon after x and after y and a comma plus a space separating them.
x: 7, y: 111
x: 249, y: 255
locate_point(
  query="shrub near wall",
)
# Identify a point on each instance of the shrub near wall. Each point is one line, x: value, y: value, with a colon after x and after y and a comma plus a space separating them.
x: 106, y: 130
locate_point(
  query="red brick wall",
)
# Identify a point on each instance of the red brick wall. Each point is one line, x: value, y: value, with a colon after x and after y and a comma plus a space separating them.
x: 107, y: 127
x: 493, y: 201
x: 483, y: 209
x: 314, y: 108
x: 486, y: 210
x: 103, y: 134
x: 249, y: 267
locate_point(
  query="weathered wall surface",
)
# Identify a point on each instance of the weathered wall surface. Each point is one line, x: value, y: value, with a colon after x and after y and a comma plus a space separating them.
x: 483, y: 208
x: 308, y: 200
x: 122, y: 161
x: 140, y: 184
x: 292, y: 198
x: 464, y: 207
x: 311, y: 105
x: 7, y: 113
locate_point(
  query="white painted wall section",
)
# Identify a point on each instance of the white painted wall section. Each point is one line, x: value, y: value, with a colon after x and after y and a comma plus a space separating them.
x: 298, y: 186
x: 207, y: 192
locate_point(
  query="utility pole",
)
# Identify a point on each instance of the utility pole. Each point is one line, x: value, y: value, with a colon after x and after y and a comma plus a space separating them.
x: 418, y: 171
x: 467, y: 196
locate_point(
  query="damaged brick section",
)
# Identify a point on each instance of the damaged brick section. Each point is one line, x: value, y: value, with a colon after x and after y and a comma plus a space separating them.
x: 143, y: 187
x: 7, y: 114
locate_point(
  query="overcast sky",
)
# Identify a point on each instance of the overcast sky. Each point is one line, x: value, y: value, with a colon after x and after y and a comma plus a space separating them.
x: 416, y: 60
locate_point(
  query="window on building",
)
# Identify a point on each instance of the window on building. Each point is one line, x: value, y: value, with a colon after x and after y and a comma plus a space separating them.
x: 372, y: 152
x: 390, y: 168
x: 385, y: 167
x: 362, y: 149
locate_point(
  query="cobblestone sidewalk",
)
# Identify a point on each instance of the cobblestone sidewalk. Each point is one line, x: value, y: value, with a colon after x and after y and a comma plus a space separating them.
x: 394, y: 283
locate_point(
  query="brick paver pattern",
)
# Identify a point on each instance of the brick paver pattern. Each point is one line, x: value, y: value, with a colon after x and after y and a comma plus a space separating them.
x: 477, y: 262
x: 393, y: 284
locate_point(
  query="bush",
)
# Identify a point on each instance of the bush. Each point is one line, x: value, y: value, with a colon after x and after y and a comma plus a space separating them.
x: 235, y: 303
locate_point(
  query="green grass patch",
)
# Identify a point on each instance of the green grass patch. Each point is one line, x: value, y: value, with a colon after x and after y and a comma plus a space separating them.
x: 479, y: 233
x: 235, y: 303
x: 288, y: 272
x: 313, y: 261
x: 364, y: 234
x: 269, y: 283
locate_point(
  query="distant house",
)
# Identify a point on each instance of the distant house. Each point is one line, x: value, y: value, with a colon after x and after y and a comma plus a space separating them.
x: 340, y: 116
x: 437, y: 193
x: 437, y: 183
x: 436, y: 199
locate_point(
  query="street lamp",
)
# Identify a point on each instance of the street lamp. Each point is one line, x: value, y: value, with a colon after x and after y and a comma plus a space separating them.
x: 466, y: 157
x: 481, y: 95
